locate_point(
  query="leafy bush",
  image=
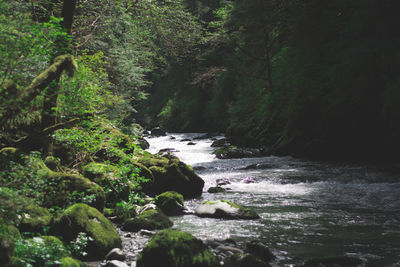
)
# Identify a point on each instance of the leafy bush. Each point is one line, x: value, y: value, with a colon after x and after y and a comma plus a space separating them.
x: 89, y: 91
x: 39, y: 251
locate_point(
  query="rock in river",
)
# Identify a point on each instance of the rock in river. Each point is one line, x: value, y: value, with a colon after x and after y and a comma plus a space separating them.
x: 171, y: 248
x: 225, y: 210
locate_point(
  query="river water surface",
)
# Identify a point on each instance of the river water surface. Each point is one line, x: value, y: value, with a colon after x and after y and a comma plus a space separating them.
x: 308, y: 209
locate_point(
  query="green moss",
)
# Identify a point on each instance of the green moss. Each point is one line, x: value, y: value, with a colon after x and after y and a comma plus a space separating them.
x: 83, y: 218
x: 50, y: 240
x: 170, y: 195
x: 35, y: 219
x: 96, y: 170
x: 52, y: 163
x: 116, y: 185
x: 232, y: 204
x: 175, y: 249
x: 171, y: 175
x: 151, y: 219
x: 66, y: 188
x: 11, y: 231
x: 71, y: 262
x: 210, y: 202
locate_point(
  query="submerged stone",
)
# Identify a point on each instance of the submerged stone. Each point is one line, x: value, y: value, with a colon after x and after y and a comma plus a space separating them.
x: 225, y: 210
x: 216, y: 189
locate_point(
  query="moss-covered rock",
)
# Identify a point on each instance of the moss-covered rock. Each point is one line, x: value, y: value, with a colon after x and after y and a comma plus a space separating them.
x: 171, y: 203
x: 150, y: 219
x: 71, y: 262
x: 225, y: 210
x: 170, y: 175
x: 11, y: 231
x: 66, y: 188
x: 83, y: 218
x: 50, y: 240
x: 176, y: 249
x: 35, y: 219
x: 111, y: 178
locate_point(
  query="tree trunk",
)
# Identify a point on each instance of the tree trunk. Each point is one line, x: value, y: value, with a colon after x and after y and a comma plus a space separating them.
x: 51, y: 93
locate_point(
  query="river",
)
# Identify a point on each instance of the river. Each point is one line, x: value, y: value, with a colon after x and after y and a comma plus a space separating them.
x: 308, y: 209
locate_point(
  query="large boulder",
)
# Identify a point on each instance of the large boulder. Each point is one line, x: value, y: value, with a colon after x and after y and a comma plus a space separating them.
x: 171, y: 203
x: 176, y: 249
x: 148, y: 219
x: 63, y: 188
x: 220, y: 143
x: 81, y: 218
x: 34, y: 219
x: 225, y: 210
x: 170, y: 175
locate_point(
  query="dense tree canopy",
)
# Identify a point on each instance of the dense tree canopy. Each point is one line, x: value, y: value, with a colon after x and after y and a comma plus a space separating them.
x: 298, y: 76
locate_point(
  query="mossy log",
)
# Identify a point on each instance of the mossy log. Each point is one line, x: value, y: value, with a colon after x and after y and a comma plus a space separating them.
x: 61, y: 63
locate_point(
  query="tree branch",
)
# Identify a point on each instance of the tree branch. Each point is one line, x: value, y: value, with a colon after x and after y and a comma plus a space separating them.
x: 61, y: 63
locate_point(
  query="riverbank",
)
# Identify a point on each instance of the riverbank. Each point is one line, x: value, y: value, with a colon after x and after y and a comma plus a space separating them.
x: 309, y: 209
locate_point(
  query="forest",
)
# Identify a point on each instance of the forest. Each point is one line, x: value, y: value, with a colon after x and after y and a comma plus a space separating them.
x: 87, y: 86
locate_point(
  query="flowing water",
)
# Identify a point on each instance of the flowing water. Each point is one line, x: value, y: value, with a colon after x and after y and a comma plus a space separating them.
x: 308, y: 209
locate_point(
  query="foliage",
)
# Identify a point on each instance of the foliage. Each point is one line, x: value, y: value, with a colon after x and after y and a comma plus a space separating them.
x: 11, y: 205
x: 39, y: 251
x: 26, y: 46
x: 79, y: 245
x: 88, y: 91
